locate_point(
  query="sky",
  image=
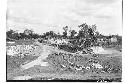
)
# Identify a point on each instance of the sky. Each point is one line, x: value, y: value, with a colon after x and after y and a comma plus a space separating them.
x: 45, y: 15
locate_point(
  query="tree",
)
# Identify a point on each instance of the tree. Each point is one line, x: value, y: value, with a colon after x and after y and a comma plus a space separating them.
x: 22, y: 35
x: 11, y: 34
x: 35, y: 36
x: 72, y: 33
x: 83, y: 32
x: 28, y: 31
x: 65, y: 31
x: 49, y: 34
x: 86, y: 35
x: 92, y: 32
x: 97, y: 34
x: 27, y: 34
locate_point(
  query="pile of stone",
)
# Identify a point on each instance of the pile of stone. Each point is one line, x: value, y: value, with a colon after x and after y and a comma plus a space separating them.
x: 88, y: 63
x: 62, y: 61
x: 22, y: 50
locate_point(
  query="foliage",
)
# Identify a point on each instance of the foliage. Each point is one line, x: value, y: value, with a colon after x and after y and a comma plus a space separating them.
x: 86, y: 36
x: 66, y: 61
x: 65, y: 31
x: 49, y: 34
x: 12, y: 34
x: 72, y: 33
x: 27, y: 34
x: 63, y: 61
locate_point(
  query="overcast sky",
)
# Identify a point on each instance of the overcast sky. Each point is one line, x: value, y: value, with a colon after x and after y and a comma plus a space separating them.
x: 46, y: 15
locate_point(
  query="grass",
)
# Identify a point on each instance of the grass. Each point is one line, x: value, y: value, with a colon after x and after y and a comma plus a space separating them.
x: 48, y: 73
x: 51, y: 72
x: 22, y: 42
x: 15, y: 62
x: 54, y: 71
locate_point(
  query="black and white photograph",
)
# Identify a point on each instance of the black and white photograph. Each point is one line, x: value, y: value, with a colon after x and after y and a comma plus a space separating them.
x: 64, y: 40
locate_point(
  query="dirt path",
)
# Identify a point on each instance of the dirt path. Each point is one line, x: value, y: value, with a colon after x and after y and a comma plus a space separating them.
x: 39, y: 60
x: 46, y: 50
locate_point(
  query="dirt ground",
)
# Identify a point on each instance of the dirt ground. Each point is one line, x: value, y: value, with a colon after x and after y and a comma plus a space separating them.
x: 37, y: 71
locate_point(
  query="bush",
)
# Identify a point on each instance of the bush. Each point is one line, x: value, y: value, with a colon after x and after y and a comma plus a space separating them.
x: 66, y: 61
x: 112, y: 65
x: 71, y: 49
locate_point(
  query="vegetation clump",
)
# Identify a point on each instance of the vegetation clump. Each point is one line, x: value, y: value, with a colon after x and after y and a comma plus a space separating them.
x: 73, y: 44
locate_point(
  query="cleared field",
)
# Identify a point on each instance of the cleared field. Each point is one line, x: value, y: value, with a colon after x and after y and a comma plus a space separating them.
x: 64, y: 65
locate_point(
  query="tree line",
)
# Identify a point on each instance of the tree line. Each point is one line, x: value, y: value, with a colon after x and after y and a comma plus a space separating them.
x: 87, y: 34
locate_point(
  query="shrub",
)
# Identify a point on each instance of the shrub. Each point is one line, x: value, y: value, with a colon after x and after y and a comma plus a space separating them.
x: 112, y: 65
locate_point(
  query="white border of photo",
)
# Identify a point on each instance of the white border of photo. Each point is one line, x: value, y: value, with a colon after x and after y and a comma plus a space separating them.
x: 3, y: 7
